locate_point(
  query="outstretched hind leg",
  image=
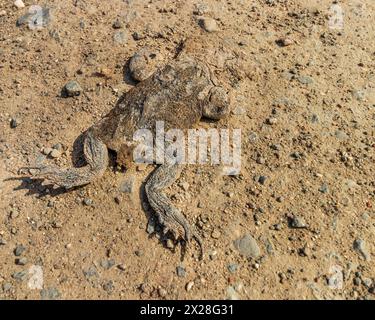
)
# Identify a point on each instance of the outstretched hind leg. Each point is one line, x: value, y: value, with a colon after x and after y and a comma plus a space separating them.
x: 96, y: 156
x: 169, y: 216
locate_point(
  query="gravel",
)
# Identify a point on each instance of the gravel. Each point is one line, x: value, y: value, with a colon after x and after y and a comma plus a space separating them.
x: 181, y: 272
x: 189, y: 286
x: 88, y: 202
x: 72, y: 89
x: 201, y: 9
x: 297, y: 222
x: 208, y: 24
x: 367, y: 282
x: 55, y: 154
x: 151, y: 226
x: 14, y: 123
x: 19, y: 250
x: 305, y: 80
x: 90, y: 272
x: 232, y: 294
x: 284, y: 42
x: 247, y: 246
x: 108, y: 286
x: 127, y: 185
x: 232, y: 267
x: 20, y: 275
x: 120, y: 37
x: 7, y: 287
x: 36, y: 18
x: 215, y: 234
x: 21, y: 261
x: 19, y: 4
x: 107, y: 263
x: 117, y: 24
x: 50, y: 294
x: 361, y: 247
x: 323, y: 188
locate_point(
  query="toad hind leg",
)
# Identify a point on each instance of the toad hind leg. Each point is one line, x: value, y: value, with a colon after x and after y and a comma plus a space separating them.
x: 169, y: 216
x: 96, y: 156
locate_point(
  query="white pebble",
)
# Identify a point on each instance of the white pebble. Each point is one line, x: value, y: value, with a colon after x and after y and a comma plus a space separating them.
x: 189, y: 285
x: 55, y: 153
x: 19, y: 4
x: 209, y: 24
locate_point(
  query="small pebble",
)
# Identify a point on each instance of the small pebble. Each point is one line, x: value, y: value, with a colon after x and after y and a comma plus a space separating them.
x: 55, y: 154
x: 7, y: 287
x: 201, y: 9
x: 360, y: 246
x: 138, y: 36
x: 150, y: 226
x: 88, y: 202
x: 72, y: 89
x: 19, y: 4
x: 216, y: 234
x: 189, y: 286
x: 107, y: 264
x: 108, y: 286
x: 367, y: 282
x: 284, y: 42
x: 357, y: 281
x: 14, y: 214
x: 323, y: 188
x: 162, y: 292
x: 232, y: 294
x: 305, y: 80
x: 122, y: 267
x: 232, y: 267
x: 271, y: 121
x: 14, y: 123
x: 169, y: 244
x: 297, y: 222
x: 21, y: 261
x: 20, y: 275
x: 19, y: 250
x: 358, y: 94
x: 2, y: 13
x: 117, y: 24
x: 208, y: 24
x: 120, y: 37
x: 181, y: 272
x: 57, y: 146
x: 50, y: 294
x: 247, y: 246
x: 47, y: 151
x: 185, y: 186
x: 262, y: 179
x: 127, y: 185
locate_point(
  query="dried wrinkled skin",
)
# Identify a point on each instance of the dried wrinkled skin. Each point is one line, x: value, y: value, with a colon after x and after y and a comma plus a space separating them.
x: 179, y: 95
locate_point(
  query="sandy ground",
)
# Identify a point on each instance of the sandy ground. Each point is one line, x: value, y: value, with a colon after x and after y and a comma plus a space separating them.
x: 303, y: 94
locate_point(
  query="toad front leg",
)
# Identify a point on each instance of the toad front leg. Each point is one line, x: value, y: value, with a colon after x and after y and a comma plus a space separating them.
x: 96, y: 156
x: 169, y: 216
